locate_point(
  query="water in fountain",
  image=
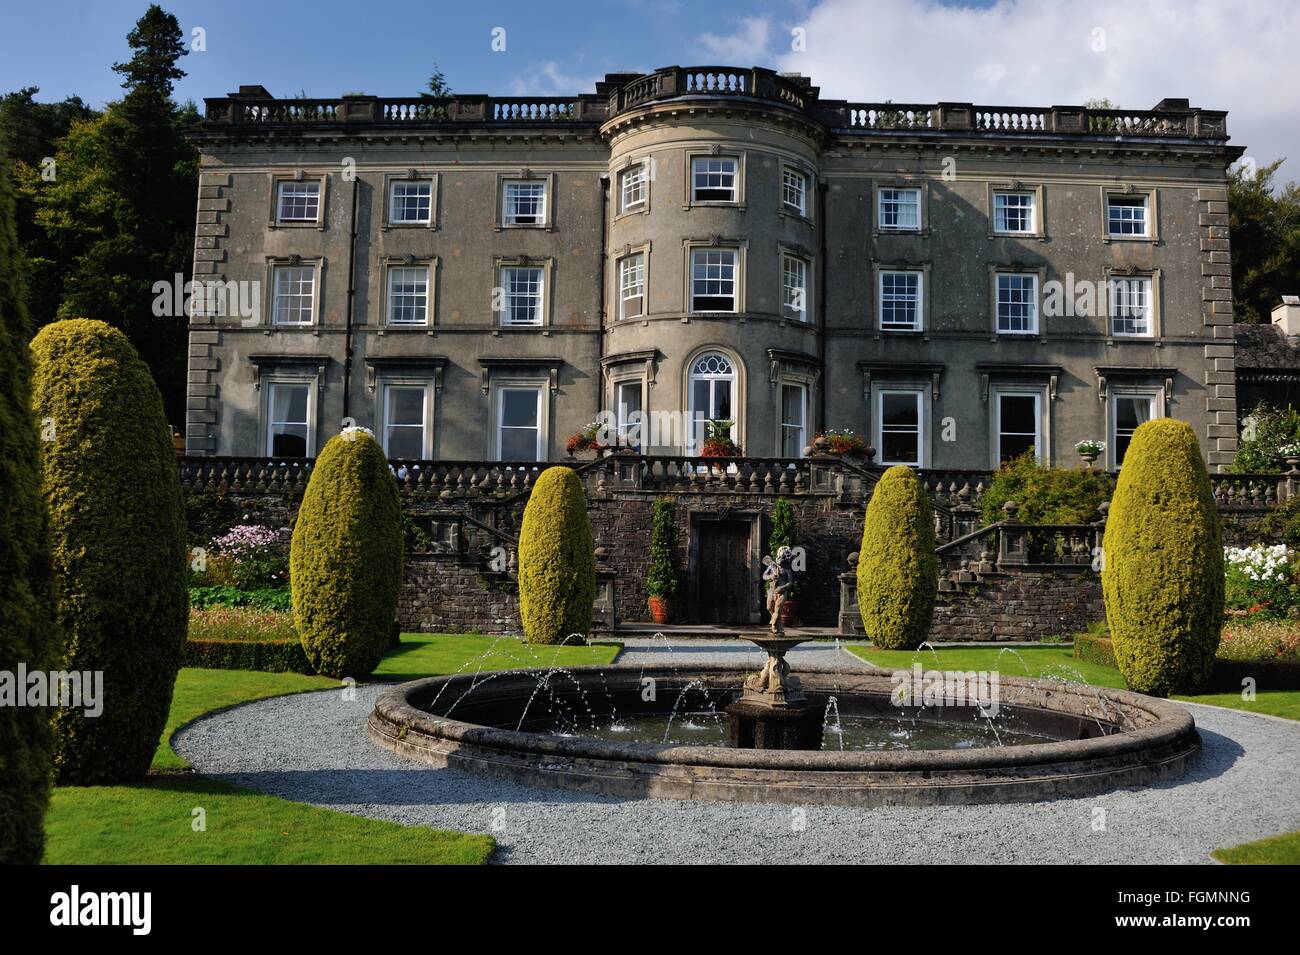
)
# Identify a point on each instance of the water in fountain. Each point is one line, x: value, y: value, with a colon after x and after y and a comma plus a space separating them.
x: 699, y: 684
x: 832, y: 705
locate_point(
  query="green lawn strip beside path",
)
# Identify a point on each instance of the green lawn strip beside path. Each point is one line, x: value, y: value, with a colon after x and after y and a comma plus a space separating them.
x: 1055, y: 661
x: 153, y: 822
x: 429, y: 654
x: 1275, y: 850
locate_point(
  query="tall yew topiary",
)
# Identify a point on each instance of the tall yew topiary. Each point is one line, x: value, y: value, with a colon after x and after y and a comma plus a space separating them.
x: 663, y: 576
x: 118, y: 544
x: 557, y: 566
x: 898, y: 573
x: 345, y: 559
x: 27, y: 632
x: 1162, y: 568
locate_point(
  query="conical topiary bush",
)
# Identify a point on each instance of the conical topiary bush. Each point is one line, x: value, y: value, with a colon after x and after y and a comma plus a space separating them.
x: 557, y: 566
x: 898, y: 573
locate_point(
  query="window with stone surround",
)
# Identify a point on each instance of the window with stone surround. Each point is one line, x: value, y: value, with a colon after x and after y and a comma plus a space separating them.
x: 1014, y: 213
x: 1017, y: 303
x: 634, y: 187
x: 290, y: 429
x: 408, y: 295
x: 1131, y: 307
x: 406, y: 421
x: 899, y: 210
x: 900, y: 426
x: 524, y: 203
x: 714, y: 280
x: 900, y: 298
x: 715, y: 179
x: 293, y: 295
x: 794, y: 286
x: 297, y: 201
x: 631, y: 286
x: 1126, y: 216
x: 794, y: 191
x: 523, y: 295
x: 410, y: 201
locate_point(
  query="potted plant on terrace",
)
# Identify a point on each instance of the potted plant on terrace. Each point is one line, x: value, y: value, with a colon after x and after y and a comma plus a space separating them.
x: 844, y: 443
x: 783, y: 535
x: 717, y: 440
x: 1090, y: 449
x: 587, y: 439
x: 661, y: 580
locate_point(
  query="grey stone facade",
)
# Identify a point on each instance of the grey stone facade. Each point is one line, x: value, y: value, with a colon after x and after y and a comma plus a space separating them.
x: 903, y: 196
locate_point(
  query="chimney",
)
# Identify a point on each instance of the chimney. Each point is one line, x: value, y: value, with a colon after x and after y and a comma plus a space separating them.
x: 1287, y: 316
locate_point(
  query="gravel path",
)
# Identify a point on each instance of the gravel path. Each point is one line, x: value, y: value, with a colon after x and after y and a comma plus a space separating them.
x: 312, y: 748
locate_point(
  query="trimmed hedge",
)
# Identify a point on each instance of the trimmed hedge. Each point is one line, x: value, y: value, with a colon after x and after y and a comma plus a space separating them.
x: 345, y: 559
x: 1225, y: 677
x: 279, y: 656
x: 1162, y: 570
x: 663, y: 577
x: 27, y: 632
x: 557, y: 565
x: 898, y: 573
x: 118, y: 533
x: 1091, y: 648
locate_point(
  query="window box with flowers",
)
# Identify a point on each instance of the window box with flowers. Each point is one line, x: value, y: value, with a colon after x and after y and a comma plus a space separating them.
x: 588, y: 439
x: 842, y: 443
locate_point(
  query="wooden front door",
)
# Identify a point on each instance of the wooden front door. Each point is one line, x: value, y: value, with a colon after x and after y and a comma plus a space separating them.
x: 723, y: 573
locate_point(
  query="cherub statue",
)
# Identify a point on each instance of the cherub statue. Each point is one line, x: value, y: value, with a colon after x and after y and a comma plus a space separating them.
x: 779, y: 577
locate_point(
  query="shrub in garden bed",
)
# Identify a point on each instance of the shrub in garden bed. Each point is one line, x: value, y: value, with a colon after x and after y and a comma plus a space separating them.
x: 244, y: 638
x: 265, y: 599
x: 1260, y: 580
x: 1045, y: 495
x: 897, y: 570
x: 557, y: 569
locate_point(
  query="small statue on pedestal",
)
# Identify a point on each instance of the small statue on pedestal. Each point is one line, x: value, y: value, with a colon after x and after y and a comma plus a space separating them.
x: 778, y: 574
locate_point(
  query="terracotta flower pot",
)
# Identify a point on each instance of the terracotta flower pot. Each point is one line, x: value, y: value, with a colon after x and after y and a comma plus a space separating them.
x: 660, y: 610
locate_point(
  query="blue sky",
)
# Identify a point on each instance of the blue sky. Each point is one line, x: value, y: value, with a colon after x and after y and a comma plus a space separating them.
x: 1236, y: 55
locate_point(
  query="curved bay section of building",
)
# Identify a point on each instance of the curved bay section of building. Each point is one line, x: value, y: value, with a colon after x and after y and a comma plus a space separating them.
x: 713, y: 249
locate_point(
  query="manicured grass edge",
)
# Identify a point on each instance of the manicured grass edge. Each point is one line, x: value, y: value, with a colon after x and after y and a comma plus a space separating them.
x: 1282, y: 849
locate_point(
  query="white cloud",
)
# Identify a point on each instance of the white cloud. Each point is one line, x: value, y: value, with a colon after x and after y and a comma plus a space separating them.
x: 745, y: 47
x: 548, y: 79
x: 1222, y: 55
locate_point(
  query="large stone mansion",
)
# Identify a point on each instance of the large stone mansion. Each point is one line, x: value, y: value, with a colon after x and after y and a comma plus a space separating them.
x: 478, y: 277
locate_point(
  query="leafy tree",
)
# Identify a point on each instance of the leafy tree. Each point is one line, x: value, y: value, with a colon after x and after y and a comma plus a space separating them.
x: 120, y: 215
x: 156, y: 40
x: 437, y: 85
x: 1264, y: 226
x: 27, y: 635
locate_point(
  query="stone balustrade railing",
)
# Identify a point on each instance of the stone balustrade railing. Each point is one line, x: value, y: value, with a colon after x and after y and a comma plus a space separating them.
x: 619, y: 93
x: 957, y: 493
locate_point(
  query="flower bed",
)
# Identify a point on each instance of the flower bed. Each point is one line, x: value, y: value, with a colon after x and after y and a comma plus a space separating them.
x: 244, y: 638
x: 1261, y: 581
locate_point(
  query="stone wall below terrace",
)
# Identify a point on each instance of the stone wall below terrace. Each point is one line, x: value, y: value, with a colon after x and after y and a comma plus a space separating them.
x: 1021, y: 605
x: 448, y: 595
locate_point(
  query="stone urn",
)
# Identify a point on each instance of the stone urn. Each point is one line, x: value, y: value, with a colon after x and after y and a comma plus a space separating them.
x: 1089, y: 458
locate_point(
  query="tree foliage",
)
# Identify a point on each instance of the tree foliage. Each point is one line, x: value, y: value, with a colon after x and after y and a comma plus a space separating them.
x: 1268, y: 431
x: 663, y: 578
x: 1045, y: 495
x: 1264, y: 228
x: 27, y: 635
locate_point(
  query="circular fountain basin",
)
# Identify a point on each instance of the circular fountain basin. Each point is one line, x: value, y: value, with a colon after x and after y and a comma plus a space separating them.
x: 1062, y: 739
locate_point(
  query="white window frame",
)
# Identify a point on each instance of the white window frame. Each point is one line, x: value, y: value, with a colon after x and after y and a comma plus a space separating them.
x: 736, y: 279
x: 919, y: 324
x: 622, y: 423
x: 625, y: 265
x: 280, y: 197
x: 1034, y: 316
x: 882, y: 201
x: 635, y: 179
x: 803, y: 268
x: 498, y: 413
x: 1154, y: 397
x: 698, y: 166
x: 1116, y: 282
x: 503, y: 278
x: 783, y: 426
x: 1040, y: 442
x: 426, y: 426
x: 271, y: 384
x: 393, y: 185
x: 509, y: 208
x: 693, y: 448
x: 389, y: 299
x: 1000, y: 209
x: 799, y: 208
x: 918, y: 393
x: 277, y: 268
x: 1128, y: 200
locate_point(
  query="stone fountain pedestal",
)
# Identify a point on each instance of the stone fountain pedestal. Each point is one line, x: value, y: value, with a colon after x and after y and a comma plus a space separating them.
x: 772, y: 712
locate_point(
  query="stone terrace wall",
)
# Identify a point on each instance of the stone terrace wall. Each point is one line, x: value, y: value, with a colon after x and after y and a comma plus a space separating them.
x: 1021, y: 604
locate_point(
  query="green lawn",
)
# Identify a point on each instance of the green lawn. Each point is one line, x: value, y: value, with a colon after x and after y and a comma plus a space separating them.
x: 153, y: 822
x: 427, y: 654
x: 1276, y: 850
x: 1056, y: 661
